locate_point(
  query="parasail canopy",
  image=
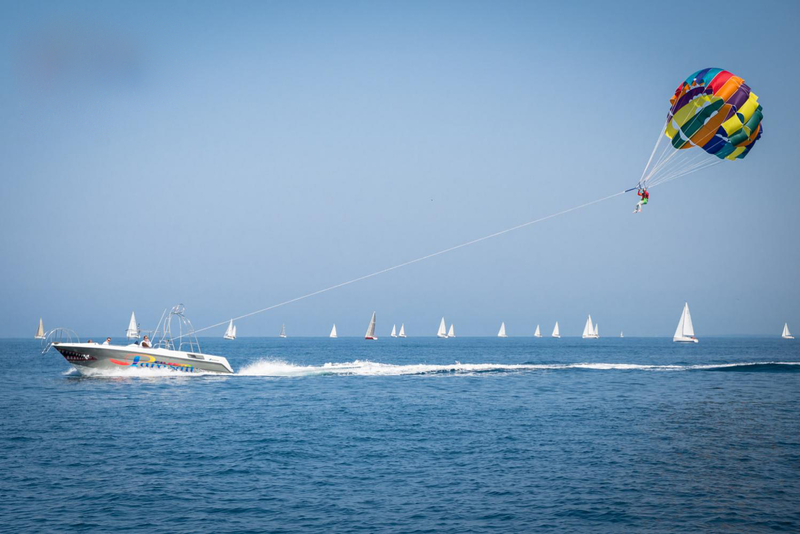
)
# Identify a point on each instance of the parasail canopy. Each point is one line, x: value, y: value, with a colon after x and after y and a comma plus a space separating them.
x: 713, y: 113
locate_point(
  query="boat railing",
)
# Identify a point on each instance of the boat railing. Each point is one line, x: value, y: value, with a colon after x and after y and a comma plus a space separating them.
x: 59, y: 335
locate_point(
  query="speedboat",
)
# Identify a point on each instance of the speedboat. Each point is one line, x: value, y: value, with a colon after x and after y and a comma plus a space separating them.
x: 93, y: 356
x: 181, y: 353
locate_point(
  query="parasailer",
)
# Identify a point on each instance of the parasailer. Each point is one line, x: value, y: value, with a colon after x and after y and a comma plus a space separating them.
x: 645, y: 196
x: 712, y: 110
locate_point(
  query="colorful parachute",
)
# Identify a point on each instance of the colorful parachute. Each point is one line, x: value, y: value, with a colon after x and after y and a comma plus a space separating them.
x: 717, y: 111
x: 713, y: 110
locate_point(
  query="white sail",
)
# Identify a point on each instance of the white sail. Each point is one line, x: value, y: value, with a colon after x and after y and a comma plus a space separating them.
x: 556, y: 332
x: 588, y: 329
x: 596, y: 330
x: 402, y: 331
x: 502, y: 332
x: 283, y: 331
x: 394, y: 331
x: 230, y: 333
x: 785, y: 335
x: 133, y: 331
x: 40, y: 330
x: 538, y: 333
x: 442, y: 329
x: 371, y: 329
x: 685, y: 330
x: 452, y: 331
x: 333, y: 331
x: 621, y: 334
x: 688, y: 327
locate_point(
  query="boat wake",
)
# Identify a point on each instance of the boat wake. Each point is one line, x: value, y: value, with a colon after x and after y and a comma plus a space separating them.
x: 279, y: 368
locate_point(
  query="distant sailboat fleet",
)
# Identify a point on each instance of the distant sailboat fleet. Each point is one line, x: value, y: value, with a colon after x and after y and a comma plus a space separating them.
x: 684, y: 333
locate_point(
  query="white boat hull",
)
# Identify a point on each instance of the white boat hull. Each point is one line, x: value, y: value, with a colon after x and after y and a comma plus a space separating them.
x: 87, y: 357
x: 787, y: 337
x: 685, y: 340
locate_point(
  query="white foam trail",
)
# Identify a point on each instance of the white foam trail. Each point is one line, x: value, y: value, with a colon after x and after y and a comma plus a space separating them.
x: 281, y: 368
x: 368, y: 368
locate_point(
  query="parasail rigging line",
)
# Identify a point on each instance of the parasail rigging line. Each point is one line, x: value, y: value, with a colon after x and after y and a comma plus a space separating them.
x: 410, y: 262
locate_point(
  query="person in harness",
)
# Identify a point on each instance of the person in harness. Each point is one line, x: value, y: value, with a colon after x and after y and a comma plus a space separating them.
x: 645, y: 196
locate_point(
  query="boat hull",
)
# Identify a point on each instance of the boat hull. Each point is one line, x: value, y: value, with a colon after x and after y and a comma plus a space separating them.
x: 685, y: 340
x: 89, y: 357
x: 787, y: 337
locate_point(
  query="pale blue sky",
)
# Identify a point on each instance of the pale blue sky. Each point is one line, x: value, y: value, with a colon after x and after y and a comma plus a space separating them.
x: 230, y: 156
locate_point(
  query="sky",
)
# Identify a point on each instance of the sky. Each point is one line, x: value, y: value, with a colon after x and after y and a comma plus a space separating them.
x: 233, y: 155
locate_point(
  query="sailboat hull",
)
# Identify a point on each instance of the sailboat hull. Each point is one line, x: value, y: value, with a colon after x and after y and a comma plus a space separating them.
x: 787, y: 337
x: 88, y: 357
x: 685, y: 340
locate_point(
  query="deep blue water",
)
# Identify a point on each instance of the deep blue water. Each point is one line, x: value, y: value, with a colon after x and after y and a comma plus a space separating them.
x: 395, y: 435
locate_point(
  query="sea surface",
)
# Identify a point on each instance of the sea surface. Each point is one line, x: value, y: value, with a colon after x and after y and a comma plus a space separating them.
x: 409, y: 435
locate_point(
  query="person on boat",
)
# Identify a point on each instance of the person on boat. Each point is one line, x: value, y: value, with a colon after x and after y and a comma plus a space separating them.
x: 645, y: 196
x: 107, y: 341
x: 146, y: 343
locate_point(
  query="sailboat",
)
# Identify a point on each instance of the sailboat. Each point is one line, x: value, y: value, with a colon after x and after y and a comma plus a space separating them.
x: 133, y: 331
x: 394, y: 331
x: 502, y: 332
x: 371, y: 329
x: 588, y: 329
x: 556, y: 333
x: 40, y: 330
x: 596, y: 331
x: 621, y: 334
x: 538, y: 333
x: 333, y: 331
x: 283, y: 331
x: 402, y: 331
x: 785, y: 335
x: 685, y: 331
x: 230, y: 333
x: 452, y: 331
x: 442, y: 329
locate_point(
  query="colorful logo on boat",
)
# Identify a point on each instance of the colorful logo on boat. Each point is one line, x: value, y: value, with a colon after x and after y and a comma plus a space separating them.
x: 144, y: 360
